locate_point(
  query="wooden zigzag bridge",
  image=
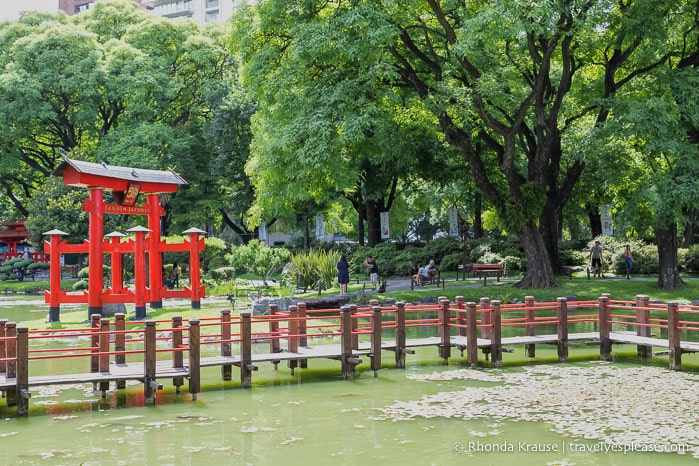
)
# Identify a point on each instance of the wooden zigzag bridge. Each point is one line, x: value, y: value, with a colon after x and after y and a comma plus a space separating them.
x: 117, y: 350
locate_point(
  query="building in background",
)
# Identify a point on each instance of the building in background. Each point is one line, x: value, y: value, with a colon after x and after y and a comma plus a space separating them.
x: 73, y: 7
x: 199, y: 11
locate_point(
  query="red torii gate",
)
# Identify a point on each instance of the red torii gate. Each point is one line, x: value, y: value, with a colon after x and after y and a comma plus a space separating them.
x: 125, y: 184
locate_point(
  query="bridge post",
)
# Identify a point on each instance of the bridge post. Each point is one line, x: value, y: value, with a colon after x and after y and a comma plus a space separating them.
x: 95, y: 341
x: 246, y: 366
x: 643, y: 327
x: 400, y: 334
x: 605, y: 349
x: 11, y: 354
x: 274, y: 343
x: 104, y: 340
x: 486, y: 318
x: 226, y: 369
x: 194, y: 358
x: 149, y: 361
x: 355, y: 323
x: 3, y: 364
x: 460, y: 315
x: 472, y: 334
x: 293, y: 336
x: 673, y: 335
x: 22, y: 373
x: 348, y: 360
x: 120, y: 343
x: 530, y: 330
x: 303, y: 339
x: 496, y: 336
x: 444, y: 330
x: 562, y: 329
x: 177, y: 356
x: 376, y: 340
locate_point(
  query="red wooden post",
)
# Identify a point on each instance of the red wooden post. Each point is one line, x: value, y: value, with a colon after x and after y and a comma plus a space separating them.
x: 51, y: 247
x: 177, y: 356
x: 246, y: 366
x: 274, y: 342
x: 460, y: 315
x: 400, y: 335
x: 3, y: 364
x: 22, y: 372
x: 355, y: 323
x: 149, y: 362
x: 303, y: 331
x: 95, y: 342
x: 562, y: 329
x: 194, y: 358
x: 643, y: 327
x: 293, y: 336
x: 444, y: 330
x: 139, y: 266
x: 196, y: 244
x: 496, y: 337
x: 530, y: 330
x: 226, y: 345
x: 117, y: 265
x: 120, y: 343
x: 376, y: 340
x: 486, y: 318
x: 349, y: 361
x: 471, y: 334
x: 95, y: 280
x: 104, y: 340
x: 605, y: 349
x: 11, y: 354
x: 155, y: 259
x: 673, y: 335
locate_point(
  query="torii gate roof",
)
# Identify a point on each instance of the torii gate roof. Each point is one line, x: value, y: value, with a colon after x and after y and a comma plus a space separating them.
x: 115, y: 178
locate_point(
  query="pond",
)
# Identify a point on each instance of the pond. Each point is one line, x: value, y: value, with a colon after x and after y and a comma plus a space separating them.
x: 582, y: 412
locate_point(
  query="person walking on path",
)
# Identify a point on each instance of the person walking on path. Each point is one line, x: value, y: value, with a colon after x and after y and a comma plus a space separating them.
x: 175, y: 275
x: 373, y: 271
x: 343, y: 274
x: 596, y: 259
x: 629, y: 261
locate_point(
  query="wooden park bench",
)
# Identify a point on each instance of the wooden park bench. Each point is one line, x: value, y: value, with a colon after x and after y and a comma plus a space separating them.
x: 483, y: 270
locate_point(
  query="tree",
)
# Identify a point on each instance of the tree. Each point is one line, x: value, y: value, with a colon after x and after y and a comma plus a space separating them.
x: 326, y: 126
x: 114, y: 84
x: 506, y: 83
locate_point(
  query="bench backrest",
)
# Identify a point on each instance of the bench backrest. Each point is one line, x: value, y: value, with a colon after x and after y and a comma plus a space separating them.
x: 487, y: 266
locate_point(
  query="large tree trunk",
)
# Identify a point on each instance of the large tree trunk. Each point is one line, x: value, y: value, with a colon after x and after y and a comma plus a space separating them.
x: 666, y: 238
x: 373, y: 221
x: 550, y: 230
x: 539, y: 272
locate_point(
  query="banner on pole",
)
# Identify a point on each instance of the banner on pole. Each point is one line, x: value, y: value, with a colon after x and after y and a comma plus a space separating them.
x: 320, y: 227
x: 385, y: 231
x: 453, y: 223
x: 262, y: 232
x: 606, y: 218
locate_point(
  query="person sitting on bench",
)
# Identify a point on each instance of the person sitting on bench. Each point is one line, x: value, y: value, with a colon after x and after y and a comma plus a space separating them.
x: 431, y: 270
x: 422, y: 276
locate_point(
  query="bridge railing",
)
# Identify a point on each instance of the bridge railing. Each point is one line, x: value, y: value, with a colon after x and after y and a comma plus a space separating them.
x: 117, y: 350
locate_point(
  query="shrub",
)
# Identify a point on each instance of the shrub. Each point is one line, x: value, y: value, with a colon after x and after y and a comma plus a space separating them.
x: 315, y: 269
x: 223, y: 274
x: 257, y: 259
x: 690, y: 259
